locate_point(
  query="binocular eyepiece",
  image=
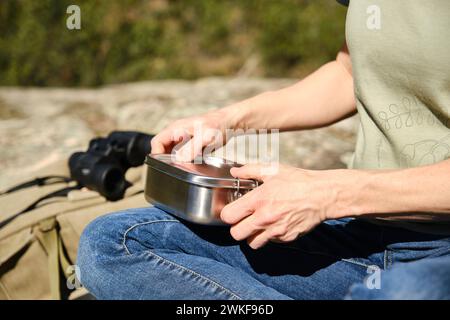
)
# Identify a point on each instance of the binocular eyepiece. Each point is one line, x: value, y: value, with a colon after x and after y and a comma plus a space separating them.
x: 103, y: 166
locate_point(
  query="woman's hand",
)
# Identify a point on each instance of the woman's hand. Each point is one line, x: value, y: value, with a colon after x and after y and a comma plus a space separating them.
x: 288, y: 204
x: 192, y: 134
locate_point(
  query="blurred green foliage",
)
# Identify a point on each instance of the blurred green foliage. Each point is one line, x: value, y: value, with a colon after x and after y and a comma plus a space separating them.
x: 131, y: 40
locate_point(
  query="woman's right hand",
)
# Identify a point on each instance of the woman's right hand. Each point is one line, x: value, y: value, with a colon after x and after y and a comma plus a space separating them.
x: 187, y: 137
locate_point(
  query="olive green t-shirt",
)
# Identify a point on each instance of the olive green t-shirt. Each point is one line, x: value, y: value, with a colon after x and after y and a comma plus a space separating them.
x: 400, y: 53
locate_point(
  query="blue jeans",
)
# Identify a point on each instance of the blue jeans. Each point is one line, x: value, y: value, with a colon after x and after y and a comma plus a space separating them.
x: 148, y: 254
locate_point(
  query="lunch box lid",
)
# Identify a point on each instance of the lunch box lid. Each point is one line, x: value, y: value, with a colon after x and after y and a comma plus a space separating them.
x: 211, y: 172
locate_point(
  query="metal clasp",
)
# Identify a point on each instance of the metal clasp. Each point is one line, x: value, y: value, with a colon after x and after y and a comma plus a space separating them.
x: 237, y: 193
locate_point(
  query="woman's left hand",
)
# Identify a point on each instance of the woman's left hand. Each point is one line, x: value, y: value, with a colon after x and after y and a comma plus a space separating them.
x: 288, y: 204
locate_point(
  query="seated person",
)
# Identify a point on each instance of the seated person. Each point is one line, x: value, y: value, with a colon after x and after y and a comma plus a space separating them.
x: 377, y: 230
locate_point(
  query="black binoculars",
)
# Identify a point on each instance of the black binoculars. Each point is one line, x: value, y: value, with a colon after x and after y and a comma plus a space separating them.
x: 103, y: 166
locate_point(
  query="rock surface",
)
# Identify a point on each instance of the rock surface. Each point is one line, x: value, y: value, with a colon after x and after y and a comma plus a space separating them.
x: 40, y: 126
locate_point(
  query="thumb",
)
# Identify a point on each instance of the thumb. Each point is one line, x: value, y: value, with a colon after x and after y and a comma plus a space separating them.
x: 249, y: 171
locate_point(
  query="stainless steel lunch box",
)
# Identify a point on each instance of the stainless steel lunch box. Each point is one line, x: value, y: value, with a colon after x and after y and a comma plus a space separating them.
x: 190, y: 191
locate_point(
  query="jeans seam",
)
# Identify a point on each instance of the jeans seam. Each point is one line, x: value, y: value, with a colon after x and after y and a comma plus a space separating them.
x: 438, y: 252
x: 356, y: 263
x: 196, y: 274
x: 390, y: 255
x: 385, y: 260
x: 124, y: 239
x: 169, y: 262
x: 388, y: 259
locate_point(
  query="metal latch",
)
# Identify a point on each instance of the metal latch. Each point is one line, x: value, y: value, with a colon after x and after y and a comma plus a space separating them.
x: 237, y: 184
x: 237, y: 193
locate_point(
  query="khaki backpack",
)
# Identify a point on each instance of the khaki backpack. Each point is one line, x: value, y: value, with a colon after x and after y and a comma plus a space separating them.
x: 38, y: 248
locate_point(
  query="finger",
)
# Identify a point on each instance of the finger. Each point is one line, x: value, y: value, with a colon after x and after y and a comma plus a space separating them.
x: 259, y: 239
x: 237, y: 210
x: 245, y: 228
x: 249, y: 171
x: 164, y: 141
x: 195, y: 146
x: 157, y: 146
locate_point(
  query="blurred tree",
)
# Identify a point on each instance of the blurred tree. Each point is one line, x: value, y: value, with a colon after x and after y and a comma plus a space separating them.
x: 131, y: 40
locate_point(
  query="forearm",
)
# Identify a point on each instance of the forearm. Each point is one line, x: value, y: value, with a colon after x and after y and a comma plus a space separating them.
x: 322, y: 98
x: 397, y: 193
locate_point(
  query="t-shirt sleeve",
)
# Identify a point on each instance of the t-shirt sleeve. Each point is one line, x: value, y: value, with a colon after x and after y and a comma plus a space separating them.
x: 343, y: 2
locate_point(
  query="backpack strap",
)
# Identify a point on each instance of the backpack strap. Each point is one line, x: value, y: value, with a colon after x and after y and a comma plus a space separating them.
x: 57, y: 259
x: 40, y: 181
x: 58, y: 193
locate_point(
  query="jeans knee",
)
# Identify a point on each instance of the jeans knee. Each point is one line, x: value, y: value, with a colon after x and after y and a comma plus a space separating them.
x: 102, y: 244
